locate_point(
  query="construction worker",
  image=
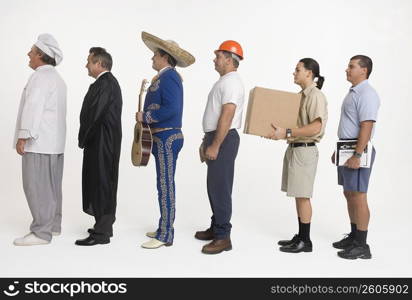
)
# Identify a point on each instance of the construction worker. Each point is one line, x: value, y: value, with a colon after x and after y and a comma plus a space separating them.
x: 221, y: 119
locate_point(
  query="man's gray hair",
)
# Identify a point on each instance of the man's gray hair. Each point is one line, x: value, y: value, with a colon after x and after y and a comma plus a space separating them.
x: 234, y: 57
x: 100, y: 54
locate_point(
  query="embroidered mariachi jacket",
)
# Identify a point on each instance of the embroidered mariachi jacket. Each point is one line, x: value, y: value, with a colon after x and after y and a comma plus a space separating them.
x: 163, y: 105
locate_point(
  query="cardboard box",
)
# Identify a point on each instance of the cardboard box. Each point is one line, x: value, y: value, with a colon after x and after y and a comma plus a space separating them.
x: 268, y: 106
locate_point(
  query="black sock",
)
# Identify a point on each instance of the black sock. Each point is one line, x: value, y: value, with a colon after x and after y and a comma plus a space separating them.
x: 361, y: 236
x: 300, y: 227
x: 352, y: 233
x: 305, y: 232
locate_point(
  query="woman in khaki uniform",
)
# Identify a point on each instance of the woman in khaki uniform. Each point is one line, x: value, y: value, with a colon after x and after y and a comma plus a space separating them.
x: 301, y: 157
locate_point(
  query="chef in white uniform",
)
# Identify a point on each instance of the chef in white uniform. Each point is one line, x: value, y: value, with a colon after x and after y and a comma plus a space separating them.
x: 40, y: 139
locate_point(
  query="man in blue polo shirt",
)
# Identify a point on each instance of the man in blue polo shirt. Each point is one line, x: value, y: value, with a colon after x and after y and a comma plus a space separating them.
x: 358, y: 116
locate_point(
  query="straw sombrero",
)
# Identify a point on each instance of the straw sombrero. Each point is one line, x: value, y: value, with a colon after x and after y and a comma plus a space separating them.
x: 182, y: 57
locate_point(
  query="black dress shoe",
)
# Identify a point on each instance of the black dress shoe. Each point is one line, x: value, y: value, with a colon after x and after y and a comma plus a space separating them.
x: 355, y: 251
x: 344, y: 243
x: 91, y: 230
x: 288, y: 242
x: 298, y: 246
x: 91, y: 241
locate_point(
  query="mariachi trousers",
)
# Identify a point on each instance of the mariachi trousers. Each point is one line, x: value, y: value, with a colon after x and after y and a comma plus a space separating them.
x: 166, y: 147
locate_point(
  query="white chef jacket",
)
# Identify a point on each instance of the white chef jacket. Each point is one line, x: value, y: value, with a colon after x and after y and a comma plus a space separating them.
x: 42, y: 113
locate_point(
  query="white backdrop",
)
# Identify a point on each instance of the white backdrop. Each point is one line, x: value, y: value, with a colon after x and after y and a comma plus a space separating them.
x: 274, y: 36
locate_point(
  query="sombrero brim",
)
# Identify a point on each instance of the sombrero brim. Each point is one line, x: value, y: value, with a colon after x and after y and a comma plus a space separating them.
x: 182, y: 57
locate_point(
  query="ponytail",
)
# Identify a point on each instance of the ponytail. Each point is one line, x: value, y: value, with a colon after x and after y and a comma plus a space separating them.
x: 319, y: 82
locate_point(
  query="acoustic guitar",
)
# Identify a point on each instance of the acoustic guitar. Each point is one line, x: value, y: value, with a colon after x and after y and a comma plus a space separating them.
x: 142, y: 138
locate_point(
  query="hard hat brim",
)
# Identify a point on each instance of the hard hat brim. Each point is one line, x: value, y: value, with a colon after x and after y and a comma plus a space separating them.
x: 240, y: 57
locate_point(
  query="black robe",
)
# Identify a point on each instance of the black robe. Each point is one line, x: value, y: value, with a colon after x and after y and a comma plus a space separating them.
x: 100, y: 136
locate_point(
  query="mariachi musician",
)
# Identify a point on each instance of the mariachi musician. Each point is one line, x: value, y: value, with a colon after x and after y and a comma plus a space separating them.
x: 163, y: 111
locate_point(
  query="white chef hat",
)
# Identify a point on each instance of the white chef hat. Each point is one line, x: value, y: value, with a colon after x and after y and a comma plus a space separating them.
x: 48, y: 44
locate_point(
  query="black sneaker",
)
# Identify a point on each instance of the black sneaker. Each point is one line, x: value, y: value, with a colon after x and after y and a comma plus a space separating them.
x: 289, y: 242
x: 357, y: 250
x: 344, y: 243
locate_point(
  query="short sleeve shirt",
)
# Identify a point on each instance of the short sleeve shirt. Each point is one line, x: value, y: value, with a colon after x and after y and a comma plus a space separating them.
x: 360, y: 104
x: 228, y: 89
x: 313, y: 105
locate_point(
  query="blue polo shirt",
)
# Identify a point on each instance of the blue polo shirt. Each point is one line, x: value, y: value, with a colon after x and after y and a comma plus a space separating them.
x: 163, y: 106
x: 360, y: 104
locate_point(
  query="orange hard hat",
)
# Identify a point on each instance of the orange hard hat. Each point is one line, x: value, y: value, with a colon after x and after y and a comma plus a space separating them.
x: 232, y: 47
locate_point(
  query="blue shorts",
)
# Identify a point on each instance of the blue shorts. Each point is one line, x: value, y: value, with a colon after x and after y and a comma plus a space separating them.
x: 355, y: 180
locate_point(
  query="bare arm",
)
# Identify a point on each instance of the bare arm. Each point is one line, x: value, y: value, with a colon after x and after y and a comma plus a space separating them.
x: 363, y: 139
x: 307, y: 130
x: 223, y: 126
x: 364, y: 135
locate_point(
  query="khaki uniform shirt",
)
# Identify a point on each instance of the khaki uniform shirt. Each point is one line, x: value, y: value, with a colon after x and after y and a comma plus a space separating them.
x: 313, y: 105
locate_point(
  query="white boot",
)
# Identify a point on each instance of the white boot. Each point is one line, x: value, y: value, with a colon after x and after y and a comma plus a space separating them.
x: 153, y: 244
x: 30, y: 240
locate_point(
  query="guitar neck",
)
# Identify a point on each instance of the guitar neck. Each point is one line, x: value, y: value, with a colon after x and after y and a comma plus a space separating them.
x: 139, y: 109
x: 142, y: 89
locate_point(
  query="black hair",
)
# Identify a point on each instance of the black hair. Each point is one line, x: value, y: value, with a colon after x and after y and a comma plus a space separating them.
x: 312, y: 65
x: 170, y: 59
x: 364, y: 62
x: 100, y: 54
x: 46, y: 58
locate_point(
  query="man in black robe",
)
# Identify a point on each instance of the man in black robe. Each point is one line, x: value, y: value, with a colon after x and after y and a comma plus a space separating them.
x: 100, y: 136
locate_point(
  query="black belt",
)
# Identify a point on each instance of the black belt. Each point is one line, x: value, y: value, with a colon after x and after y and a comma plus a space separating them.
x: 214, y: 131
x: 294, y: 145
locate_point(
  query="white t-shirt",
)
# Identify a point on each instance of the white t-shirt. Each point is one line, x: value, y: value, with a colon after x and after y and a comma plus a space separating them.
x: 228, y: 89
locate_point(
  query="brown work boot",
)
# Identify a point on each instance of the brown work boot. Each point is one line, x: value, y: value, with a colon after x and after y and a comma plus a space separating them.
x: 217, y: 246
x: 206, y: 235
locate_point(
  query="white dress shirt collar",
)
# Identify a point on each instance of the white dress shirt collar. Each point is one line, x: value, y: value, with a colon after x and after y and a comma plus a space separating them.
x: 104, y: 72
